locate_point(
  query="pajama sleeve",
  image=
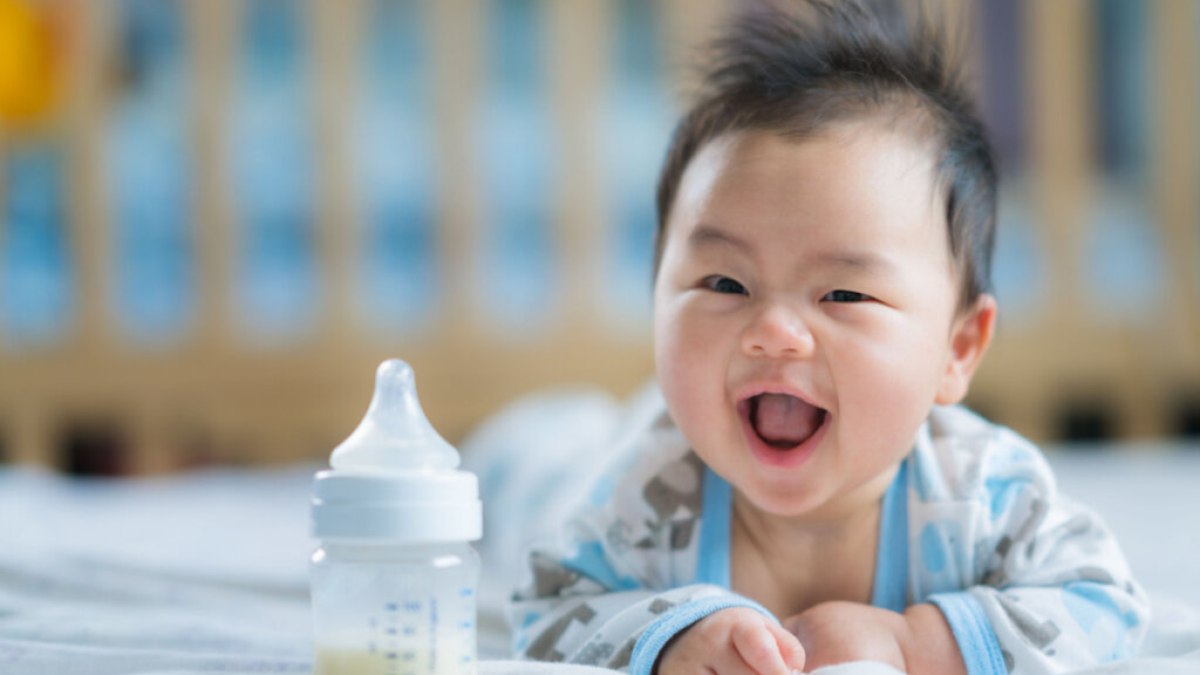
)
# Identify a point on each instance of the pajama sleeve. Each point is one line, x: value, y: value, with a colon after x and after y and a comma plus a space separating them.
x: 621, y: 582
x: 1028, y: 581
x: 588, y: 623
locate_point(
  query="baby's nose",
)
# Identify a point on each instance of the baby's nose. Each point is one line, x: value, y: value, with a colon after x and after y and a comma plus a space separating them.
x: 778, y: 332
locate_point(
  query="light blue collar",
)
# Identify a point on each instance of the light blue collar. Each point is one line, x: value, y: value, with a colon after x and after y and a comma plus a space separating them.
x: 891, y: 563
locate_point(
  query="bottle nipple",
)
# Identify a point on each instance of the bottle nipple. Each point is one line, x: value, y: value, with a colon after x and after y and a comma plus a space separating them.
x: 395, y: 434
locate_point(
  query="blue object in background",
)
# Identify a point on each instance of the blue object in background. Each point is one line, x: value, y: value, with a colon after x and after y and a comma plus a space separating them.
x: 36, y: 278
x: 519, y: 276
x: 1123, y: 254
x: 638, y: 120
x: 151, y: 178
x: 1122, y: 86
x: 1122, y: 248
x: 1018, y: 263
x: 1018, y: 266
x: 1000, y: 24
x: 273, y: 175
x: 397, y: 265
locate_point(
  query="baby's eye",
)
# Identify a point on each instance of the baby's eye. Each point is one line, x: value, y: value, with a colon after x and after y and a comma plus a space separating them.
x: 720, y: 284
x: 846, y: 296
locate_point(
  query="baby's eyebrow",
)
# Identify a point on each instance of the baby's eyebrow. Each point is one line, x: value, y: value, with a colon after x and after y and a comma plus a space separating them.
x: 707, y: 235
x: 865, y: 261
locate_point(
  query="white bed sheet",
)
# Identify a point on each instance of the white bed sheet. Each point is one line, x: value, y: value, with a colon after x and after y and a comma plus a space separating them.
x: 207, y: 571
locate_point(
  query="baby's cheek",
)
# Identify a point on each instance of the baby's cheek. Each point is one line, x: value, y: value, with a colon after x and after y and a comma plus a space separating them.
x: 886, y: 416
x: 684, y: 362
x: 693, y: 392
x: 685, y: 401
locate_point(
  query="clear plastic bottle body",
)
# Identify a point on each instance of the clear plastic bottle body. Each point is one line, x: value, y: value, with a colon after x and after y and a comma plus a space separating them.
x: 394, y: 609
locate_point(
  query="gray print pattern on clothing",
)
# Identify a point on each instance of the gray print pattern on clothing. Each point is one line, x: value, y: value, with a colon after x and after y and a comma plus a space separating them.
x: 684, y: 475
x: 681, y: 534
x: 673, y: 492
x: 595, y: 653
x: 542, y: 648
x: 616, y: 537
x: 1004, y: 546
x: 1025, y: 535
x: 1037, y: 514
x: 660, y: 605
x: 621, y: 659
x: 549, y: 577
x: 1078, y: 530
x: 1096, y: 574
x: 677, y: 487
x: 998, y: 577
x: 1039, y: 633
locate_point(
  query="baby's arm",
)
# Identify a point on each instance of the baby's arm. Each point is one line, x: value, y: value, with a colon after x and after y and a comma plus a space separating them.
x: 565, y: 615
x: 735, y: 640
x: 1026, y: 580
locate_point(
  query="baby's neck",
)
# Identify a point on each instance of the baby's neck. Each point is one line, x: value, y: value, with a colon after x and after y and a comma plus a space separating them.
x: 789, y: 565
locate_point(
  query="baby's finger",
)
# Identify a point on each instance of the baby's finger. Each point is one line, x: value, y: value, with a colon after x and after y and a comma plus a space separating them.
x: 758, y: 648
x: 789, y: 646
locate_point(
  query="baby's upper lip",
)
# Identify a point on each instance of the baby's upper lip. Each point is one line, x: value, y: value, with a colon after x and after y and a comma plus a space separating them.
x: 749, y: 391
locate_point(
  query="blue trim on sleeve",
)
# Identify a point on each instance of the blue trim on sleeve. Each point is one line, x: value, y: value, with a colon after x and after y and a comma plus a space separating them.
x: 712, y: 553
x: 675, y: 620
x: 976, y: 639
x: 891, y: 559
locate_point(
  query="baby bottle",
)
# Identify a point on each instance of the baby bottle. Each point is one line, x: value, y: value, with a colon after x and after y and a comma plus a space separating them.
x: 394, y: 579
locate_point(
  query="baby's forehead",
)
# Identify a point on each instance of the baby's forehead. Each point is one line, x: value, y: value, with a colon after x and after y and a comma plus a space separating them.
x: 859, y: 155
x: 856, y: 184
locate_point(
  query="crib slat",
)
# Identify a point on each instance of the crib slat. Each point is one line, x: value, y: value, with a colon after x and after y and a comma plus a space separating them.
x: 212, y: 32
x: 1176, y: 177
x: 457, y: 57
x: 336, y: 228
x: 1061, y: 126
x: 578, y: 32
x: 90, y: 248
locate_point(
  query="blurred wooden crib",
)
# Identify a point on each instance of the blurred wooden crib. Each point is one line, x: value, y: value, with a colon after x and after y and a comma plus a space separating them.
x: 92, y: 399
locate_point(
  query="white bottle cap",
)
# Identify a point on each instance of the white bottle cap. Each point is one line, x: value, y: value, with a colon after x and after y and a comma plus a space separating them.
x: 394, y: 478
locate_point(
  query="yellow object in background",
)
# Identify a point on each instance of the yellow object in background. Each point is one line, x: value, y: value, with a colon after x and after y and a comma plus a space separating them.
x: 28, y: 70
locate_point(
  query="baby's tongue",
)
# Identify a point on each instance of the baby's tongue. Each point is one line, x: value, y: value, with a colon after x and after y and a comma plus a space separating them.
x: 783, y: 420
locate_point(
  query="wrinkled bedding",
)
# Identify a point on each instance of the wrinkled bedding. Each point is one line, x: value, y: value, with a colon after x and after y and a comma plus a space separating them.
x: 207, y: 571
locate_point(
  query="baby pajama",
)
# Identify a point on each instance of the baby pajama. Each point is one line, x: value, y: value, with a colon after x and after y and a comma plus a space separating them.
x: 1028, y: 581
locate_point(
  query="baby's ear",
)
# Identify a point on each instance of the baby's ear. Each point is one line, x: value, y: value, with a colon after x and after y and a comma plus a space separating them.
x: 969, y: 340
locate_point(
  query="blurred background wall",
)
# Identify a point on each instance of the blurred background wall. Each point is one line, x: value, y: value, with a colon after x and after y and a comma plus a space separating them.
x: 217, y: 216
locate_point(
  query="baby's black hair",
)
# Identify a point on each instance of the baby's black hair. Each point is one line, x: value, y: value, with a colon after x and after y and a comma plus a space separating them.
x: 794, y: 70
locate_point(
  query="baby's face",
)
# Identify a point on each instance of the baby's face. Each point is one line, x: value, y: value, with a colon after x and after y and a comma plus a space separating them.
x: 805, y: 312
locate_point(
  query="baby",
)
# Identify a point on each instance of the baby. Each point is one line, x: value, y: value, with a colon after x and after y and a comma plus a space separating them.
x: 811, y: 493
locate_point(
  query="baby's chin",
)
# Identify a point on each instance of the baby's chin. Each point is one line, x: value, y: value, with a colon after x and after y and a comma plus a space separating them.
x: 817, y: 497
x: 783, y: 503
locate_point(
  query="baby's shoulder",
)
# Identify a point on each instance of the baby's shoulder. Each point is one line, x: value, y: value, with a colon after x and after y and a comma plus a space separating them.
x: 652, y: 473
x: 644, y: 509
x: 959, y: 455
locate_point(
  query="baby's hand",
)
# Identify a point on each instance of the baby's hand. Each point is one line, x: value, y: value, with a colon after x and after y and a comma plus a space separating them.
x: 735, y: 640
x: 917, y: 641
x: 837, y: 632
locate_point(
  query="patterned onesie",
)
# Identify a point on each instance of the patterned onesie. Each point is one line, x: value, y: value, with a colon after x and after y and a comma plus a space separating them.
x: 1028, y: 581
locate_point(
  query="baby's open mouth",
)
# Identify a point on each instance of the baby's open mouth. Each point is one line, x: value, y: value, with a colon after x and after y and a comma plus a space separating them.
x: 783, y: 421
